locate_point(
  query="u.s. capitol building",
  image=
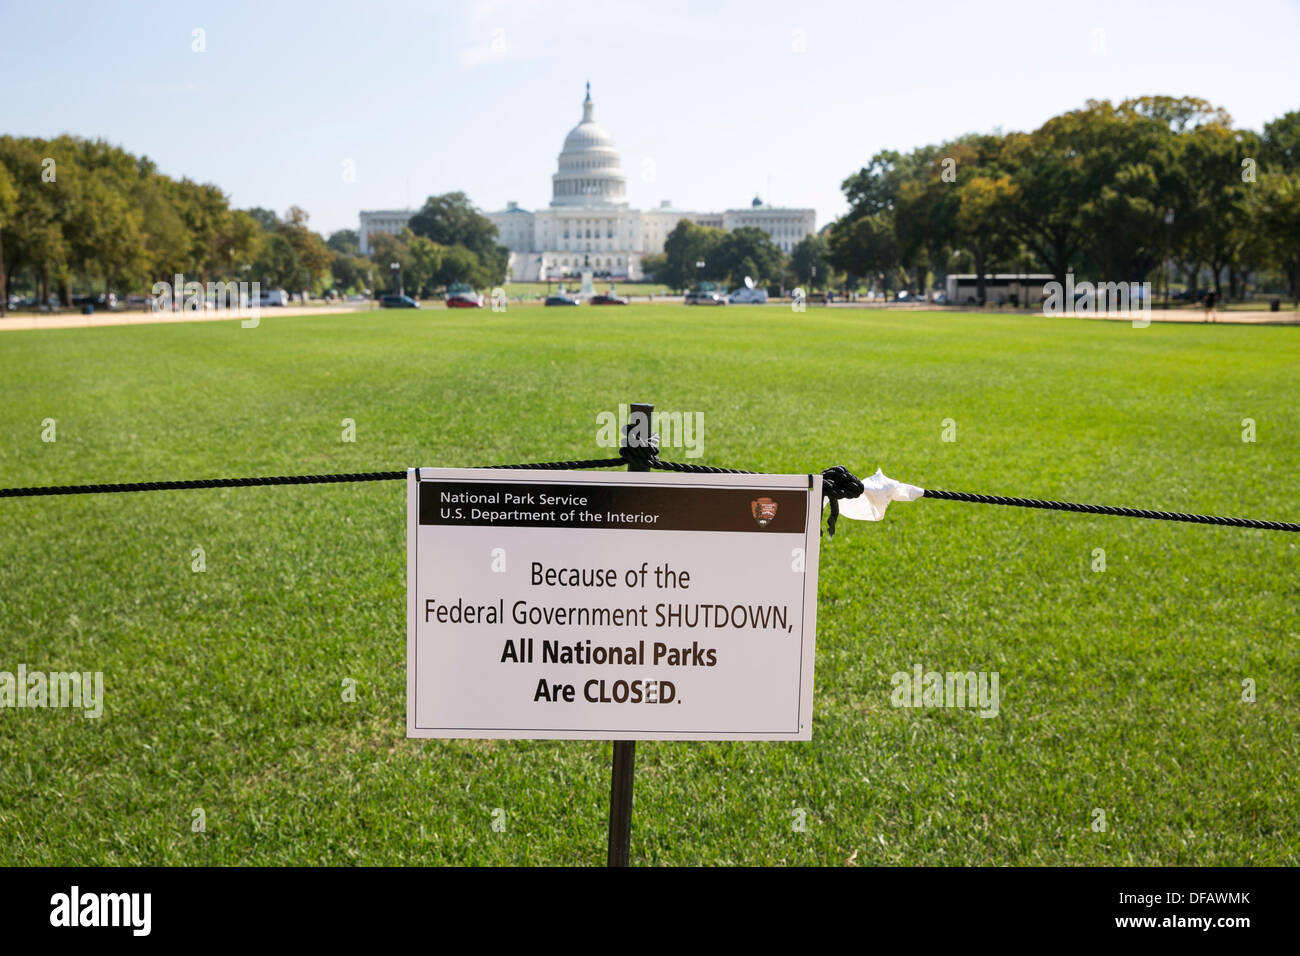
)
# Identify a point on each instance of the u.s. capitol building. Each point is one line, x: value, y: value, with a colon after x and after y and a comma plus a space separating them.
x: 589, y: 224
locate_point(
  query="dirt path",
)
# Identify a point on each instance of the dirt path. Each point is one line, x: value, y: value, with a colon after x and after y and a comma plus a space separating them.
x: 75, y: 320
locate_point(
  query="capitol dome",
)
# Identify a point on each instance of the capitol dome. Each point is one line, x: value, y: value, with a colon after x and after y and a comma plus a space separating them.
x: 589, y: 171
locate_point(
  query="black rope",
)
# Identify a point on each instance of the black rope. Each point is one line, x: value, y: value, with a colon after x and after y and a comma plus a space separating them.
x: 837, y: 483
x: 1109, y: 510
x: 271, y: 480
x: 650, y: 456
x: 198, y: 483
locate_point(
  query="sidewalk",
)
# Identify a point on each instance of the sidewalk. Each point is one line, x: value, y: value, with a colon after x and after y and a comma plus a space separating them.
x: 75, y: 320
x: 1286, y: 316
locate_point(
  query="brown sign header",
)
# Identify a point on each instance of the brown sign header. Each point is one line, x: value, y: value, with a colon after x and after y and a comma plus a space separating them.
x: 625, y: 507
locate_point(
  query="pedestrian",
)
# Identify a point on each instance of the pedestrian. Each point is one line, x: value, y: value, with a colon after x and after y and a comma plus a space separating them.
x: 1209, y: 306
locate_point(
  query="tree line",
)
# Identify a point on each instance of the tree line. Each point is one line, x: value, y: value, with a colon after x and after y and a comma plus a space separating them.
x: 85, y: 215
x: 1108, y: 191
x: 1112, y: 192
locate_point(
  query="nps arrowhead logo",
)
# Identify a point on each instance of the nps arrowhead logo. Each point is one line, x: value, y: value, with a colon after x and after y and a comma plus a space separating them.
x: 764, y: 510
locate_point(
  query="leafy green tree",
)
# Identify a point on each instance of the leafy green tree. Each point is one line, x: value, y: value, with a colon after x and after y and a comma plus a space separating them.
x: 1281, y: 143
x: 748, y: 251
x: 349, y: 272
x: 962, y: 205
x: 37, y: 235
x: 385, y: 249
x: 8, y: 207
x: 982, y: 222
x: 688, y: 244
x: 1052, y: 185
x: 425, y: 260
x: 204, y: 210
x: 311, y: 254
x: 1215, y: 227
x: 458, y: 264
x: 1176, y: 114
x: 166, y: 236
x: 810, y: 257
x: 865, y: 248
x: 452, y: 220
x: 1277, y: 209
x: 875, y: 188
x: 109, y: 241
x: 240, y: 237
x: 277, y: 264
x: 924, y: 223
x: 653, y: 266
x: 265, y: 218
x: 345, y: 241
x: 880, y: 191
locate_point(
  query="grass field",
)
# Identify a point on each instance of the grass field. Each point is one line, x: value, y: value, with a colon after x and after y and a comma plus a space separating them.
x: 1121, y: 690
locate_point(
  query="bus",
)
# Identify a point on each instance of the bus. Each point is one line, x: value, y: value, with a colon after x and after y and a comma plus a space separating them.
x: 1001, y: 288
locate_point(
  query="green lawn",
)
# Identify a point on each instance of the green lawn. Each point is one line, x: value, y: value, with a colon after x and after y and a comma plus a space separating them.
x: 1121, y: 690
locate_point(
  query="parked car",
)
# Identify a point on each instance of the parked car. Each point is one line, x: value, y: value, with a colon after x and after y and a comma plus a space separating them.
x: 700, y: 297
x: 273, y: 297
x: 461, y: 296
x: 558, y: 299
x: 608, y: 299
x: 398, y: 302
x: 747, y: 296
x: 464, y: 300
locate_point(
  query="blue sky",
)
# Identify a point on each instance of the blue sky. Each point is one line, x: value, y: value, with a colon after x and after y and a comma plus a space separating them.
x: 709, y: 104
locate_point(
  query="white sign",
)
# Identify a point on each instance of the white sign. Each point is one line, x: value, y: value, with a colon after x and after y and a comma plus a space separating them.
x: 610, y: 605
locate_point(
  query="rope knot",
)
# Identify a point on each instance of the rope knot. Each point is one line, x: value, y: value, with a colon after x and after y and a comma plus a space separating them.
x: 646, y: 454
x: 838, y: 482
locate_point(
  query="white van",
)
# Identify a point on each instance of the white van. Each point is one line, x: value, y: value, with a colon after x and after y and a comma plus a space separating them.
x: 274, y: 297
x: 746, y: 296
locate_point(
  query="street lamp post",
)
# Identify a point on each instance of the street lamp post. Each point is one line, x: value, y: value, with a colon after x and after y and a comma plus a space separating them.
x: 397, y: 277
x: 1169, y: 221
x: 699, y: 272
x: 1024, y: 279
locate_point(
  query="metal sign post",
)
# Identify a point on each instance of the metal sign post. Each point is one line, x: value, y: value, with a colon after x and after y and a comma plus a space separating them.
x: 637, y: 435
